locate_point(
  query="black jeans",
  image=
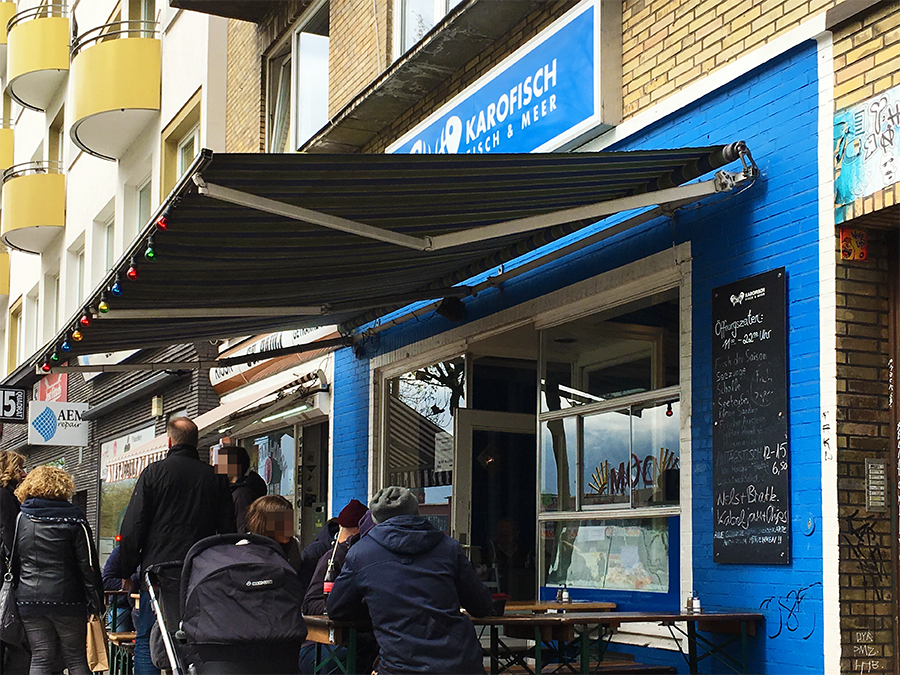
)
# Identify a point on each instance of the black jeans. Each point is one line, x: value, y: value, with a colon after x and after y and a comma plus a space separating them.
x: 49, y: 633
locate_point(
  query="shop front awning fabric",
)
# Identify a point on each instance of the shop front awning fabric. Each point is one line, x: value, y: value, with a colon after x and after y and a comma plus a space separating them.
x: 254, y: 243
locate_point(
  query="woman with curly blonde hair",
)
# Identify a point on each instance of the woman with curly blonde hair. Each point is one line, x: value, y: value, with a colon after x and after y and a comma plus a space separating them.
x: 58, y: 570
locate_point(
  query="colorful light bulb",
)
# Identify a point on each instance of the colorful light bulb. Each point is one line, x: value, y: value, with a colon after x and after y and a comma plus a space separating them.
x: 103, y: 307
x: 65, y: 346
x: 45, y: 367
x: 150, y: 254
x: 76, y: 335
x: 54, y: 357
x: 132, y: 273
x: 85, y: 319
x: 162, y: 223
x: 116, y: 288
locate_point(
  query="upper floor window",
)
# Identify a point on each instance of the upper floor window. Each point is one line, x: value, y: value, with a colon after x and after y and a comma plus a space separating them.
x: 187, y: 149
x: 297, y: 100
x: 417, y: 17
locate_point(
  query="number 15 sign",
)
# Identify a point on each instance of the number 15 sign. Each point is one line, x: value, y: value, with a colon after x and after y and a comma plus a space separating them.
x: 12, y: 405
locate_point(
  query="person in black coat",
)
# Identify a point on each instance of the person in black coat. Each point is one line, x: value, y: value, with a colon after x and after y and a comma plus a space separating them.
x: 310, y: 555
x: 14, y: 659
x: 413, y: 578
x: 316, y: 596
x: 246, y: 485
x: 176, y: 502
x: 58, y: 571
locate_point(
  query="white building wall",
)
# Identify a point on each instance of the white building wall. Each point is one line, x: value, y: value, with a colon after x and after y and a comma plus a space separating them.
x: 193, y: 58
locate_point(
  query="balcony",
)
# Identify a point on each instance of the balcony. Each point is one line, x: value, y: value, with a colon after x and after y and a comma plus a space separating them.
x: 38, y: 54
x: 34, y: 205
x: 115, y: 86
x: 7, y: 9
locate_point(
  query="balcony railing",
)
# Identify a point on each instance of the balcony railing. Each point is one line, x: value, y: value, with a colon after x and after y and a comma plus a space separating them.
x: 37, y: 54
x: 115, y: 86
x: 34, y: 205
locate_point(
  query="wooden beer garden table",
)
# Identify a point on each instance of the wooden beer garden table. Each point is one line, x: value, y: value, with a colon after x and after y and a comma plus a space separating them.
x: 568, y: 631
x: 540, y: 606
x: 329, y: 636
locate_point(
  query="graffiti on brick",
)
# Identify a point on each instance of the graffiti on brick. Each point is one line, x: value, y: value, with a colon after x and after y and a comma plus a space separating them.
x: 865, y: 650
x: 790, y: 617
x: 864, y: 547
x: 827, y: 453
x: 866, y: 666
x: 866, y: 151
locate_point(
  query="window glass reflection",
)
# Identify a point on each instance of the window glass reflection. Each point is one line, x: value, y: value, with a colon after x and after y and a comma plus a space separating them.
x: 607, y: 458
x: 655, y: 453
x: 620, y: 555
x: 559, y: 462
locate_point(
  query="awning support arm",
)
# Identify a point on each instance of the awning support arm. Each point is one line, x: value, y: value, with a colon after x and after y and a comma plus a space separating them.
x: 273, y: 206
x: 722, y: 182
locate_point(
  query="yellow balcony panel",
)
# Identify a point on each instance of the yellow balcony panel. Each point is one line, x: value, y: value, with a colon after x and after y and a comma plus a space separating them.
x: 115, y: 88
x: 7, y: 146
x: 37, y: 55
x: 34, y: 206
x: 7, y: 9
x: 4, y: 275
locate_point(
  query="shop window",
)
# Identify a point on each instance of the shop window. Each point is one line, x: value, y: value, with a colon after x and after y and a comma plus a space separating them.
x: 297, y: 99
x: 417, y: 17
x: 421, y: 406
x: 609, y: 449
x: 273, y: 456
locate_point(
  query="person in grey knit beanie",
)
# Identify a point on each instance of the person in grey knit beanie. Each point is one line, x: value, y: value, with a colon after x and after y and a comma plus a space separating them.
x: 393, y: 501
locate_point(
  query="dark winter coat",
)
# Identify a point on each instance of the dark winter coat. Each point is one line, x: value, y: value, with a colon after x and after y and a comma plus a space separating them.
x: 413, y: 578
x: 309, y: 558
x: 9, y: 509
x: 244, y: 491
x: 56, y: 561
x: 176, y: 502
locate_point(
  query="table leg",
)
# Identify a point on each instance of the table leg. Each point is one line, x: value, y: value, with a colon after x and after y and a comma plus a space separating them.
x: 351, y: 652
x: 538, y: 660
x: 585, y: 650
x: 495, y: 650
x: 745, y: 661
x: 692, y: 646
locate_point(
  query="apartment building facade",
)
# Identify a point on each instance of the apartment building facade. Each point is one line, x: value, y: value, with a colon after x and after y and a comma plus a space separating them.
x: 101, y: 117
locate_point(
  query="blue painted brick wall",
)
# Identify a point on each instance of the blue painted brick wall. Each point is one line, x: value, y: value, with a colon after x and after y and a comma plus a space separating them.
x: 350, y: 433
x: 773, y: 224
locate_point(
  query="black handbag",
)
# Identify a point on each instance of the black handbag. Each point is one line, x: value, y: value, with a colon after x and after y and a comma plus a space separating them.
x: 11, y: 629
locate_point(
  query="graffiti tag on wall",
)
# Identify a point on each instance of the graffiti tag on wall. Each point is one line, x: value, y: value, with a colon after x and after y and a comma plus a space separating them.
x: 866, y: 148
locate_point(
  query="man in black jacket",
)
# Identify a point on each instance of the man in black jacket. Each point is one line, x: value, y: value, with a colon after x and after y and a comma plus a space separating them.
x: 413, y: 578
x: 247, y: 486
x: 176, y: 502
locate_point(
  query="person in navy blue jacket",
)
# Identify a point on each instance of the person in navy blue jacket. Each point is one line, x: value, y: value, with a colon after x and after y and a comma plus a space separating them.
x: 413, y: 579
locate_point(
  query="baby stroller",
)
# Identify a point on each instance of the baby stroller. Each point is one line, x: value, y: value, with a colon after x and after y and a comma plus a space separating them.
x: 239, y: 605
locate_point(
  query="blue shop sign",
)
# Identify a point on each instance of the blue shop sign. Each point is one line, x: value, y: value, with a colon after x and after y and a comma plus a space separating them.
x: 543, y: 93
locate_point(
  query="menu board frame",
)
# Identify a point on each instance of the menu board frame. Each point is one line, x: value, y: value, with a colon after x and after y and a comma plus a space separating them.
x: 750, y: 441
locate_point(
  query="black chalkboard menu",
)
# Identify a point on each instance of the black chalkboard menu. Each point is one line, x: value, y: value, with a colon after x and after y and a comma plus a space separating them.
x: 751, y: 454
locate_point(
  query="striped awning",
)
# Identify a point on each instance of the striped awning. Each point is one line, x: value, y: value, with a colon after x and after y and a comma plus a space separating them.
x: 262, y: 242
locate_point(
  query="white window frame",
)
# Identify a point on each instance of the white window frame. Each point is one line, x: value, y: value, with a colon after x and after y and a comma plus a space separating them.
x: 441, y: 9
x: 285, y: 73
x: 191, y: 137
x: 656, y: 273
x: 51, y: 302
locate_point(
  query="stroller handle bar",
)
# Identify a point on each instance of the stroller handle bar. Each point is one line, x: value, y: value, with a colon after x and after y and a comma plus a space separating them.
x: 151, y: 578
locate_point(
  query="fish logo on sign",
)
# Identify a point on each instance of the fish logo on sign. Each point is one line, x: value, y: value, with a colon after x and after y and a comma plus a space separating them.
x: 45, y: 424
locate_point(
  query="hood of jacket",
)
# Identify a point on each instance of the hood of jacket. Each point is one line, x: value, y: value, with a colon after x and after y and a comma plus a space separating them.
x: 406, y: 535
x: 52, y: 509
